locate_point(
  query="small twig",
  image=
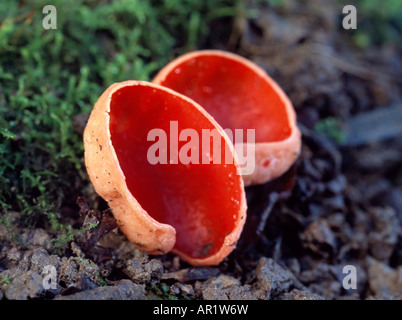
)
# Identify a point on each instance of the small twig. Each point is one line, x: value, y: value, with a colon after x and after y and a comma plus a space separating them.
x: 272, y: 199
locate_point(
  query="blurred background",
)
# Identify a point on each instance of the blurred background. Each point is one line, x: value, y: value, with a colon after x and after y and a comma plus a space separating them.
x: 345, y: 204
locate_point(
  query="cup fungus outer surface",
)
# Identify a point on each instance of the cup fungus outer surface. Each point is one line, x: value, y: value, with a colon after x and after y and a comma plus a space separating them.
x: 240, y: 95
x: 110, y: 180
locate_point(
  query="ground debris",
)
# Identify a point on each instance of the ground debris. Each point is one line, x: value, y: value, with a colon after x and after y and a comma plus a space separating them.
x: 79, y: 274
x: 384, y: 281
x: 273, y: 278
x: 27, y: 285
x: 319, y: 238
x: 24, y: 277
x: 383, y: 239
x: 124, y: 290
x: 182, y: 288
x: 192, y: 274
x: 226, y: 287
x: 261, y: 199
x: 296, y: 294
x: 37, y: 238
x: 143, y: 271
x: 95, y: 223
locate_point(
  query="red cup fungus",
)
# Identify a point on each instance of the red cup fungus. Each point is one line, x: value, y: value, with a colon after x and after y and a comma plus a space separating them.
x: 197, y: 211
x: 240, y: 95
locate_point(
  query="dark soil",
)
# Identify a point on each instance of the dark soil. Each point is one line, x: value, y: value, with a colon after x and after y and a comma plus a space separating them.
x: 341, y: 203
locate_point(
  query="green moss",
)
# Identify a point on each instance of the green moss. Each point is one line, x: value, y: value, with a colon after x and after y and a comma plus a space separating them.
x: 332, y: 128
x: 66, y: 235
x: 101, y: 281
x: 161, y: 291
x: 47, y: 77
x: 5, y: 280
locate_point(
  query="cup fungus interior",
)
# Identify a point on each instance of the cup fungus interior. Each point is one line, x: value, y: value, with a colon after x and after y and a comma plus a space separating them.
x: 235, y: 92
x: 201, y: 201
